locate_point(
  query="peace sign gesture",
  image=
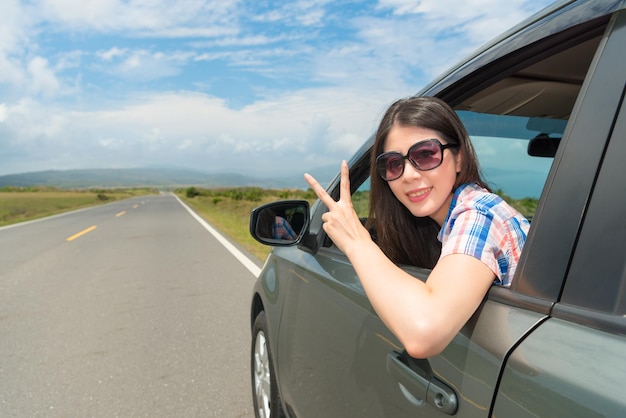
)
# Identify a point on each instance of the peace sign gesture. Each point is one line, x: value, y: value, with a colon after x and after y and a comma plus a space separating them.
x: 341, y: 222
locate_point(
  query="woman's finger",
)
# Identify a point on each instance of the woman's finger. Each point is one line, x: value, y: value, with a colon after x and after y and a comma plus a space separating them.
x: 319, y: 190
x: 344, y: 188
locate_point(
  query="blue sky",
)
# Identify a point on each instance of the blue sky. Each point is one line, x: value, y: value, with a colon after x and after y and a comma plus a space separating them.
x: 261, y: 88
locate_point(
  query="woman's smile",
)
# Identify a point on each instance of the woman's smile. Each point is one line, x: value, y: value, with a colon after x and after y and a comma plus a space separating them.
x: 418, y: 195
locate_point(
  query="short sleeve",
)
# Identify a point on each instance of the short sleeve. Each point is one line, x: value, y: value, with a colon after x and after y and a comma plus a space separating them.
x: 484, y: 226
x: 473, y: 233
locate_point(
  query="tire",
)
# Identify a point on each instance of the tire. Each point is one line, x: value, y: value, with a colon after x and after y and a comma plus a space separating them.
x: 264, y: 388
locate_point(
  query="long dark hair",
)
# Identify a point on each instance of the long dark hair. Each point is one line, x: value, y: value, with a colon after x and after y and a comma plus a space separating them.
x: 403, y: 237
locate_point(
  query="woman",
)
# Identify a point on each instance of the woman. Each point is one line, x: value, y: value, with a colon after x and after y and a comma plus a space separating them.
x: 438, y: 196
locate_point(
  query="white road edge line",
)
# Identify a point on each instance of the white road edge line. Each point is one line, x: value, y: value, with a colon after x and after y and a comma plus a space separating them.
x: 249, y: 264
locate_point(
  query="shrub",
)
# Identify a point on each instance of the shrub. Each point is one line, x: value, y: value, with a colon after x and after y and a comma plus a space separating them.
x: 310, y: 194
x: 253, y: 194
x: 192, y: 192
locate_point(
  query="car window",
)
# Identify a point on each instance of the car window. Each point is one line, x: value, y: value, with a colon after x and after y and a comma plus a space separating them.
x: 503, y: 153
x: 516, y: 124
x: 361, y: 199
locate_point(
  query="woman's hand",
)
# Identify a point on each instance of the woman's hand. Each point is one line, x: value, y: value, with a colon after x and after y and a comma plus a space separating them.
x: 341, y: 222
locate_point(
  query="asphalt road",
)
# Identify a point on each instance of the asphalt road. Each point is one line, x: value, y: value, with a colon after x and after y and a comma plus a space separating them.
x: 131, y: 309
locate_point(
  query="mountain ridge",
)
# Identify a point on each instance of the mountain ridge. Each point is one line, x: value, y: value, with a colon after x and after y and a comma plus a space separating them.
x: 157, y: 177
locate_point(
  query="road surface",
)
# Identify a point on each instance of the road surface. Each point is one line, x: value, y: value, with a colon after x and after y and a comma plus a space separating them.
x: 131, y: 309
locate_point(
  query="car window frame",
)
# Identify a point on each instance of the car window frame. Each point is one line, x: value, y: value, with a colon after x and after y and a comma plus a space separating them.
x: 564, y: 201
x: 574, y: 305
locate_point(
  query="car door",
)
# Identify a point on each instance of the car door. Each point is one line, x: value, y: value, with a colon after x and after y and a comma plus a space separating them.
x: 578, y: 355
x: 336, y: 356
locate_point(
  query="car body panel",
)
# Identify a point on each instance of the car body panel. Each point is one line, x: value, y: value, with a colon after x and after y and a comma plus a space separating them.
x: 326, y: 303
x: 556, y: 373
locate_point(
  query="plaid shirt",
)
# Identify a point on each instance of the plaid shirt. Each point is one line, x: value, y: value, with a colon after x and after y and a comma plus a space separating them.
x: 484, y: 226
x: 282, y: 229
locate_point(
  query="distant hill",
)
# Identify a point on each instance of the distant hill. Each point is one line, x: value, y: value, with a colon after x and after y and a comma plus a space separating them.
x: 153, y: 177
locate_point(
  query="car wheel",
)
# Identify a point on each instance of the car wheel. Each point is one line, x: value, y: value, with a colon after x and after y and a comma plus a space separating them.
x: 264, y: 387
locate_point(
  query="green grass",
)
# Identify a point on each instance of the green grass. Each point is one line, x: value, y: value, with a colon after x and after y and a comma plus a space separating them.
x: 24, y: 204
x: 526, y: 206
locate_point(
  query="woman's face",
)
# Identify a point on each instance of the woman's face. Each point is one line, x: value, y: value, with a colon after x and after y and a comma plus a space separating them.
x: 424, y: 193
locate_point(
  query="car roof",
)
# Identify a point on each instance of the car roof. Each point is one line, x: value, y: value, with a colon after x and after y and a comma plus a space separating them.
x: 555, y: 18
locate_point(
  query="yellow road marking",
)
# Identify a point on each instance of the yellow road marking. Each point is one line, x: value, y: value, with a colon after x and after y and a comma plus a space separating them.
x: 81, y: 233
x: 135, y: 206
x: 120, y: 213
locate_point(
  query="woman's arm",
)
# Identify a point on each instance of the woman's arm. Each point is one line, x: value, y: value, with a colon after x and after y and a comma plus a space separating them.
x: 423, y: 316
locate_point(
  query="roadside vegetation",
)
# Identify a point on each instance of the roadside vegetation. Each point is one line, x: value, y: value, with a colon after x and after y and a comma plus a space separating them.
x: 526, y: 206
x: 19, y: 204
x: 227, y: 209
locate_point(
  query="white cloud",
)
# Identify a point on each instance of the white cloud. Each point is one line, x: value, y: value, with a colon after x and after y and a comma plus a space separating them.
x: 246, y: 40
x: 142, y: 65
x: 112, y: 53
x: 4, y: 112
x: 11, y: 72
x: 308, y: 103
x: 68, y: 60
x: 215, y: 136
x: 13, y: 25
x: 302, y: 12
x: 148, y: 18
x: 185, y: 144
x: 42, y: 78
x: 479, y: 20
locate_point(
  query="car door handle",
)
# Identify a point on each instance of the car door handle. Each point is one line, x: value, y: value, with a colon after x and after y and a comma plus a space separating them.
x: 422, y: 385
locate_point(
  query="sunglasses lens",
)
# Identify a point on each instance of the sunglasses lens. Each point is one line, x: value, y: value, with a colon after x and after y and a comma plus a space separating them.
x: 390, y: 165
x: 426, y: 155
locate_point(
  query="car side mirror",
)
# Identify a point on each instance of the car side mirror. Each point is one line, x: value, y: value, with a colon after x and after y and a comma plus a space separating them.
x: 280, y: 224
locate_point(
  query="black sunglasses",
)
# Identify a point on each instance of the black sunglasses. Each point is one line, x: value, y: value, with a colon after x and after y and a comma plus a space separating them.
x: 424, y: 155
